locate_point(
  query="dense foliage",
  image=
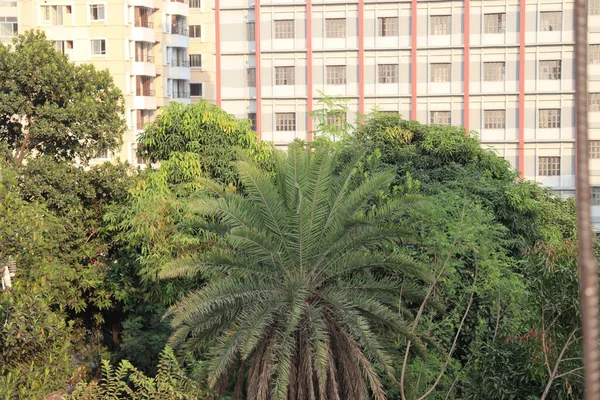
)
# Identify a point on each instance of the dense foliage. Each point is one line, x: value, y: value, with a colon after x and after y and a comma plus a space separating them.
x: 388, y: 259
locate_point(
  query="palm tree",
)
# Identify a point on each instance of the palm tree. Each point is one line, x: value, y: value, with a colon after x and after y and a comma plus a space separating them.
x: 302, y: 298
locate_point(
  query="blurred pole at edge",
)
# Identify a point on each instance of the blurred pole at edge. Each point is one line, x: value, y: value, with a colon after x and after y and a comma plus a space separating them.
x: 588, y: 269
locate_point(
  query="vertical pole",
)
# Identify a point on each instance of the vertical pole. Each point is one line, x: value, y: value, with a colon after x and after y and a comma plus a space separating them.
x: 588, y: 269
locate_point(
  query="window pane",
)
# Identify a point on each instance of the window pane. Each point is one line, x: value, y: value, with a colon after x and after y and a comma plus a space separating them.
x: 387, y: 73
x: 494, y: 119
x: 252, y: 117
x: 440, y: 72
x: 98, y: 47
x: 195, y: 3
x: 493, y: 71
x: 551, y: 21
x: 549, y: 118
x: 250, y: 31
x: 284, y: 29
x: 195, y: 31
x: 440, y: 24
x: 195, y: 60
x: 594, y: 7
x: 549, y: 166
x: 284, y: 75
x: 594, y: 102
x: 550, y: 69
x: 494, y: 23
x: 196, y: 89
x: 251, y: 77
x: 387, y: 26
x: 285, y: 122
x: 594, y: 53
x: 335, y: 27
x: 439, y: 117
x: 336, y: 74
x: 594, y: 149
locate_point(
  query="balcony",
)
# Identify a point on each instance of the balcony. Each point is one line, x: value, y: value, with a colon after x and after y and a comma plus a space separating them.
x: 144, y: 92
x: 144, y: 65
x: 180, y: 63
x: 179, y: 30
x: 143, y: 23
x: 178, y: 7
x: 144, y: 58
x: 181, y: 95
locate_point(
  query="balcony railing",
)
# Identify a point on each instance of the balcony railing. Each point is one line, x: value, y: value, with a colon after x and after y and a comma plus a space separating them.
x: 180, y: 63
x: 178, y: 30
x: 142, y: 58
x: 143, y: 23
x: 181, y: 95
x: 144, y: 92
x: 142, y: 124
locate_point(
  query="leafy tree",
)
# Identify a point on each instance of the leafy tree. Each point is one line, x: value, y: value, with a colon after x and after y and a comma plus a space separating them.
x: 297, y: 302
x: 127, y: 382
x: 205, y: 130
x: 50, y: 106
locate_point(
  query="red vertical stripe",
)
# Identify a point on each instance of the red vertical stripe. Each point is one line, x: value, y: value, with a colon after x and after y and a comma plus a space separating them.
x: 521, y: 163
x: 309, y: 70
x: 413, y: 61
x: 218, y: 48
x: 467, y: 54
x: 361, y: 57
x: 258, y: 81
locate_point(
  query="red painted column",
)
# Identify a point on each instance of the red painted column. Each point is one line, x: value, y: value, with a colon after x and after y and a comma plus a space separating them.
x: 218, y: 49
x: 521, y: 163
x: 309, y: 71
x: 257, y: 56
x: 413, y: 61
x: 361, y: 57
x: 467, y: 60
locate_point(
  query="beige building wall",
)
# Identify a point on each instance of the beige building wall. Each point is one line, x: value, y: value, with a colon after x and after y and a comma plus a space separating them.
x: 202, y: 44
x: 144, y: 44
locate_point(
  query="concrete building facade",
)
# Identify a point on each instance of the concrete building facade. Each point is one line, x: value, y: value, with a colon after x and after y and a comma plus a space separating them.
x: 503, y: 68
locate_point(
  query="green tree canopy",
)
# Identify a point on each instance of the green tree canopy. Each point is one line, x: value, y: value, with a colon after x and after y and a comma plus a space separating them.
x: 50, y: 106
x: 206, y: 130
x: 297, y: 299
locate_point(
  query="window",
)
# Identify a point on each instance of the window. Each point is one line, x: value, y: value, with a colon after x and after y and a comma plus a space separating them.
x: 195, y: 3
x: 143, y: 85
x: 251, y: 77
x: 335, y: 28
x: 387, y: 73
x: 178, y: 57
x: 103, y: 153
x: 284, y: 29
x: 52, y: 14
x: 63, y: 46
x: 549, y: 118
x: 387, y: 26
x: 494, y: 119
x: 196, y: 89
x: 494, y: 23
x: 252, y: 118
x: 180, y: 89
x: 550, y: 21
x: 493, y: 71
x: 440, y: 24
x: 143, y: 52
x: 439, y: 117
x: 195, y: 31
x: 250, y: 31
x: 550, y: 69
x: 142, y: 17
x: 9, y: 27
x: 195, y: 60
x: 549, y: 166
x: 285, y: 122
x: 595, y: 194
x: 336, y: 120
x: 143, y: 117
x: 97, y: 12
x: 336, y: 74
x: 440, y: 72
x: 98, y: 47
x: 594, y: 7
x: 594, y: 102
x: 179, y: 25
x: 594, y: 149
x: 594, y: 54
x: 284, y: 75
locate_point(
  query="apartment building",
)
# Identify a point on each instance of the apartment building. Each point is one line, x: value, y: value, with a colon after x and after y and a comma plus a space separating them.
x: 143, y: 43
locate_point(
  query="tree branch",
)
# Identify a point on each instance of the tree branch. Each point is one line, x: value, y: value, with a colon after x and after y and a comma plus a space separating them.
x: 553, y: 375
